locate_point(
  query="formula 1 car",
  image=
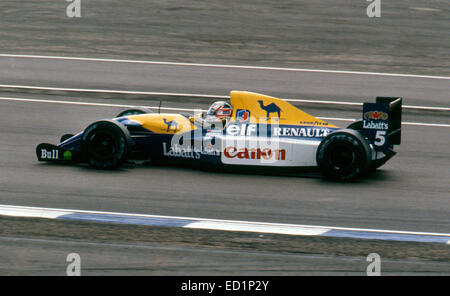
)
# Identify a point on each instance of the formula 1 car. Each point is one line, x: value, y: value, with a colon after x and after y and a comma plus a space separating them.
x: 263, y: 132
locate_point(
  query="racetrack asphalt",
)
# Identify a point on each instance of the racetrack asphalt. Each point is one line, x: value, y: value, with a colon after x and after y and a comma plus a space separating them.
x: 410, y: 193
x: 219, y: 80
x: 411, y: 36
x: 41, y: 246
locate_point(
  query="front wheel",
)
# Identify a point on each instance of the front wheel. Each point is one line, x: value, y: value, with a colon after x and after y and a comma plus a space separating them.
x: 344, y: 155
x: 106, y: 144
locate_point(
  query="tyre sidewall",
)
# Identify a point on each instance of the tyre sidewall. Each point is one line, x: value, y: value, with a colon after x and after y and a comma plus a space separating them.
x: 121, y: 140
x: 351, y: 140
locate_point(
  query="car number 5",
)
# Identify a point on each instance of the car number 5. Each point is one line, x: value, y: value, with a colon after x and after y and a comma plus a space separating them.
x: 380, y: 138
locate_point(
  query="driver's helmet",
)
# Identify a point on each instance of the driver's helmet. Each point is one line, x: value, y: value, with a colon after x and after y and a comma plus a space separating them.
x: 219, y: 111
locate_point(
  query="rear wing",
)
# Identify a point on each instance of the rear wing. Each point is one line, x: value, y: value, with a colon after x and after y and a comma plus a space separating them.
x: 382, y: 122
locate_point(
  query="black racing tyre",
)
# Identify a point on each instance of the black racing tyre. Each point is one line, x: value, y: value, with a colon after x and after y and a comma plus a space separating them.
x: 344, y: 155
x: 134, y: 111
x: 106, y: 144
x: 65, y: 137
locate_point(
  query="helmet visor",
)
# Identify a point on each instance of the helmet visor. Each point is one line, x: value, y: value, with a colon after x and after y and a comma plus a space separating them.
x: 213, y: 109
x: 220, y: 109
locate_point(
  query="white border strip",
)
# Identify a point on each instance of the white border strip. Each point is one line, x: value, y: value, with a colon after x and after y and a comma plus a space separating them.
x: 201, y: 223
x: 184, y: 109
x: 150, y: 93
x: 225, y: 66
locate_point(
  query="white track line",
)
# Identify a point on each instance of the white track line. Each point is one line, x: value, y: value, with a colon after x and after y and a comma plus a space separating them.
x: 183, y: 109
x: 110, y: 91
x: 127, y: 92
x: 360, y: 104
x: 94, y: 104
x: 225, y: 66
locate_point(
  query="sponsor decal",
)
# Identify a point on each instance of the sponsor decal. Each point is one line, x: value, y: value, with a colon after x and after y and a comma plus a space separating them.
x: 242, y: 115
x: 375, y: 125
x: 255, y: 153
x: 210, y: 151
x: 189, y: 152
x: 67, y: 155
x: 49, y: 154
x: 209, y: 147
x: 270, y: 109
x: 376, y: 115
x: 379, y: 116
x: 241, y: 130
x: 171, y: 125
x: 321, y: 123
x: 179, y: 151
x: 288, y: 131
x: 300, y: 132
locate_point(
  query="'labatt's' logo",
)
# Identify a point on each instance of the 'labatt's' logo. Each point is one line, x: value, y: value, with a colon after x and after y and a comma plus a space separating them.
x: 190, y: 152
x: 376, y: 120
x: 177, y: 151
x: 376, y: 115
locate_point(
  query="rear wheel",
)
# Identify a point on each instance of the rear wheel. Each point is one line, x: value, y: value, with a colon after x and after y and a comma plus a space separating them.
x: 359, y: 125
x: 106, y: 144
x: 344, y: 155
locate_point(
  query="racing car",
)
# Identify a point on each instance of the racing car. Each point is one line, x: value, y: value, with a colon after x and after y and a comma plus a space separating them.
x: 257, y: 131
